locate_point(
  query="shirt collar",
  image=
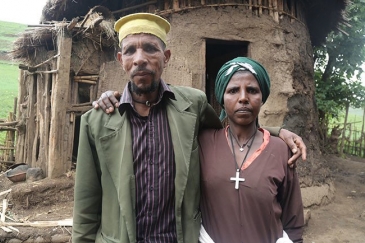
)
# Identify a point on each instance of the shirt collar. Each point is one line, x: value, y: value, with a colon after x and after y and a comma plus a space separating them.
x: 127, y: 101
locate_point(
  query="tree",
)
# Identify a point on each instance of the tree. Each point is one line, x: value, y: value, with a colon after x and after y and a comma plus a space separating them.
x: 338, y: 67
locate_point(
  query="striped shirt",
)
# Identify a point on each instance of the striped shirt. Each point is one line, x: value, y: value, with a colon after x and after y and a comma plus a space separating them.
x: 154, y: 168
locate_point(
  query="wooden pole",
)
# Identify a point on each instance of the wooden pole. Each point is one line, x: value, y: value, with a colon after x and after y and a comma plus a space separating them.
x: 344, y: 129
x: 362, y: 143
x: 58, y: 154
x: 175, y: 4
x: 276, y: 11
x: 260, y: 7
x: 134, y: 7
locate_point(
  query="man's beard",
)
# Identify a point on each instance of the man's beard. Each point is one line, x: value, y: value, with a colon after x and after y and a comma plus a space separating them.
x: 146, y: 90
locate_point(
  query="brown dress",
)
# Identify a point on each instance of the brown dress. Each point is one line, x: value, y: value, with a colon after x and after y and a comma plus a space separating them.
x: 266, y: 203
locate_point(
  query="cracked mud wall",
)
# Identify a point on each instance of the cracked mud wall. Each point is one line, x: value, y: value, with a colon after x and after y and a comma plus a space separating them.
x: 283, y: 48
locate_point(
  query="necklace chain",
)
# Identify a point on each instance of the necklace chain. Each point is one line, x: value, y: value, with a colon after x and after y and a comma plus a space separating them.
x: 242, y: 148
x: 147, y: 103
x: 249, y: 148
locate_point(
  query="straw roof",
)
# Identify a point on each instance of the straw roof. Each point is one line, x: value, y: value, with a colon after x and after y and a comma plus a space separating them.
x: 97, y: 26
x: 322, y: 16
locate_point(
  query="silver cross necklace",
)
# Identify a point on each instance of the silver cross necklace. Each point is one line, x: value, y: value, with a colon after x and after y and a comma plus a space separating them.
x: 237, y: 179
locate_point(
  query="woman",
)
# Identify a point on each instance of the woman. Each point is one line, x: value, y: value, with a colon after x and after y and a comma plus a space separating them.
x: 249, y: 194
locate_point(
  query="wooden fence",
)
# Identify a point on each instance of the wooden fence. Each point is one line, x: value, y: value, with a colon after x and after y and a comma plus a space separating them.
x: 7, y: 148
x: 352, y: 139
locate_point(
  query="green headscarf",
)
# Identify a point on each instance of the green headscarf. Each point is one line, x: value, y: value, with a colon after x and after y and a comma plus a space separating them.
x: 226, y: 72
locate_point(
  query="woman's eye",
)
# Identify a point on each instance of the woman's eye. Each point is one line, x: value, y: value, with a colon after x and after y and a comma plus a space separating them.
x: 252, y: 90
x: 233, y: 91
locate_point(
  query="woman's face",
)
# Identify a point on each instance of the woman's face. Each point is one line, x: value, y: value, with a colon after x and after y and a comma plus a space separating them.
x: 242, y: 98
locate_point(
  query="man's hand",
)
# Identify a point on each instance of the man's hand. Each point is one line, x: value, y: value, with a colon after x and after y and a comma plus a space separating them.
x: 296, y: 145
x: 106, y: 101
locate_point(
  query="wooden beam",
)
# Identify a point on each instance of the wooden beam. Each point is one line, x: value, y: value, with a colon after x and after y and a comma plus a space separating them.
x: 5, y: 192
x: 87, y: 77
x: 134, y: 7
x: 58, y: 154
x: 85, y: 81
x: 65, y: 222
x: 12, y: 123
x: 33, y: 68
x: 7, y: 128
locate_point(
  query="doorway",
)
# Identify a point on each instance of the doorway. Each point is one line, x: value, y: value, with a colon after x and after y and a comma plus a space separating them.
x: 219, y: 52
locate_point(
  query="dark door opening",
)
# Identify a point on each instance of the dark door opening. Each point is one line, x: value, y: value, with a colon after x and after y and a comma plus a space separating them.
x: 219, y: 52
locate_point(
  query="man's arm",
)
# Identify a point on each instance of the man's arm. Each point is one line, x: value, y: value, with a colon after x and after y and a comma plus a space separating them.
x: 294, y: 142
x: 87, y: 191
x: 109, y: 100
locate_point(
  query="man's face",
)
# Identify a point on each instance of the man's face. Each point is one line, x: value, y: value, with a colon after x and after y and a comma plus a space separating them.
x: 143, y: 58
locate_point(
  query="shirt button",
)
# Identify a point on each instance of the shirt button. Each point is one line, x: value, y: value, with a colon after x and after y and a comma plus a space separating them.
x: 151, y: 188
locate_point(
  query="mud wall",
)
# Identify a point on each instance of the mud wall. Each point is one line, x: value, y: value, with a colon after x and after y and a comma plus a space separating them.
x: 284, y: 49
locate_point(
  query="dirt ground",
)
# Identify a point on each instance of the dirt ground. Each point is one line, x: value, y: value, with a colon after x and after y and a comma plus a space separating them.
x: 341, y: 221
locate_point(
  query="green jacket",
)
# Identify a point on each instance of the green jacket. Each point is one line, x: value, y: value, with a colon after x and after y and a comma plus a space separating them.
x: 104, y: 206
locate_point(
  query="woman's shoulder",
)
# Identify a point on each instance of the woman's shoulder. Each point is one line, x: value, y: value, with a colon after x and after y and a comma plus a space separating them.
x: 210, y: 134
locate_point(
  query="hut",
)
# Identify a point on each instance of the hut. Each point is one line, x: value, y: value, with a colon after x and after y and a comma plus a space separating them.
x: 69, y: 60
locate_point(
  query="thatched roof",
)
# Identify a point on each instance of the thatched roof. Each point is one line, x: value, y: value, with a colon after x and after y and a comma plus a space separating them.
x: 322, y: 16
x: 97, y: 26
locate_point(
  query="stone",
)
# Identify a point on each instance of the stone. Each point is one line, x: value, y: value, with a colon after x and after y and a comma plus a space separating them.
x: 34, y: 174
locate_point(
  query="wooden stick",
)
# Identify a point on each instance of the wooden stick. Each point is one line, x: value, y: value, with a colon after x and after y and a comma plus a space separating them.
x: 7, y: 128
x: 86, y: 77
x: 13, y: 123
x: 8, y: 162
x: 13, y: 228
x: 65, y: 222
x: 73, y: 23
x: 5, y: 205
x: 134, y: 7
x: 79, y: 109
x: 41, y: 25
x: 24, y: 67
x: 51, y: 71
x: 6, y: 148
x: 85, y: 81
x: 8, y: 217
x: 81, y: 104
x: 5, y: 229
x: 7, y: 191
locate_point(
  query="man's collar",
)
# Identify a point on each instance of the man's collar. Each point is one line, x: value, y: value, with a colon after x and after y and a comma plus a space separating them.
x: 126, y: 98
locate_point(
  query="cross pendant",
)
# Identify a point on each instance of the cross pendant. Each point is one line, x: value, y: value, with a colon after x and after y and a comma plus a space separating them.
x: 237, y: 179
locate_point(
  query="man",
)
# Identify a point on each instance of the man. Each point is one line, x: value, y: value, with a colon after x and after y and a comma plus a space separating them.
x: 138, y: 173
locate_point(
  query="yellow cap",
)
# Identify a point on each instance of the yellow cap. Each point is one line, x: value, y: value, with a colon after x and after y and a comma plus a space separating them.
x: 142, y: 23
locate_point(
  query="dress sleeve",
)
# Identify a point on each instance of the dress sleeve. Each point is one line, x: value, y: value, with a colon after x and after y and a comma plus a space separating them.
x: 290, y: 198
x: 87, y: 193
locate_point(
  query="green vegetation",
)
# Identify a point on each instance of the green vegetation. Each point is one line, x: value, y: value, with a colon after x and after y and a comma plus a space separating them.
x: 8, y: 34
x: 8, y: 86
x: 355, y: 117
x: 338, y: 70
x: 9, y: 71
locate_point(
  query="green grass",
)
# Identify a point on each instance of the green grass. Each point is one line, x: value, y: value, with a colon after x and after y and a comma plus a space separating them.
x: 9, y: 72
x: 9, y: 32
x: 355, y: 118
x: 8, y: 86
